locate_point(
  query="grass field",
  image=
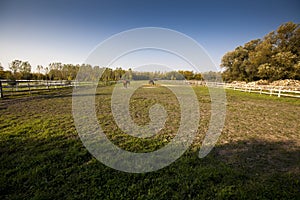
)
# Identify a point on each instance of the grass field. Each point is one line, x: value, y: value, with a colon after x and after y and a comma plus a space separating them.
x: 257, y: 155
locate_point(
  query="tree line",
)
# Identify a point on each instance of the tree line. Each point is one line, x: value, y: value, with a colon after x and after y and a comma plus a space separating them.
x: 19, y: 70
x: 275, y: 57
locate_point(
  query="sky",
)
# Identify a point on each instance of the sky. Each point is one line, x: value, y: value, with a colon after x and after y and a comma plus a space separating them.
x: 45, y: 31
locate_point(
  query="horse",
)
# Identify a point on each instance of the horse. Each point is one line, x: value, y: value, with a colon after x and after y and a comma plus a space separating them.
x: 151, y: 82
x: 126, y: 83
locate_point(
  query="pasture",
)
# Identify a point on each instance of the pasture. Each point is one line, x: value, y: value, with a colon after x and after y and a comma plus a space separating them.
x: 256, y: 157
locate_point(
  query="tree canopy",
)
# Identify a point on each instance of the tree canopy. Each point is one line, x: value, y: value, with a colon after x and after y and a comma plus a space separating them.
x: 275, y: 57
x: 59, y: 71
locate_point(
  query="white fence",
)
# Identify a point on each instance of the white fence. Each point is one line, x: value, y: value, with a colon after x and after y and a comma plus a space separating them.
x: 25, y: 86
x: 279, y: 91
x: 21, y: 87
x: 14, y: 87
x: 275, y: 90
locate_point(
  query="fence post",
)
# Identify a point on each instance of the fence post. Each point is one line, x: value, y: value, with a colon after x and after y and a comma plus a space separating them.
x: 48, y: 85
x: 29, y: 87
x: 279, y: 92
x: 1, y: 91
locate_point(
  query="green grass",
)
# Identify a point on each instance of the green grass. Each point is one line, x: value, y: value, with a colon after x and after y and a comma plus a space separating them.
x: 257, y: 155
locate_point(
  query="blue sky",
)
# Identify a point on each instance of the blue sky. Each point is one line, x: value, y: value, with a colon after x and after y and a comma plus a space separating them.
x: 41, y: 31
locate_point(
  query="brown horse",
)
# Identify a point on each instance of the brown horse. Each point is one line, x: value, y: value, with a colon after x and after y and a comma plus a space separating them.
x: 126, y: 83
x: 151, y: 82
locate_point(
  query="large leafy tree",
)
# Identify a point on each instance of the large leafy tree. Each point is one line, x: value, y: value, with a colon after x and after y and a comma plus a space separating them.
x: 25, y: 69
x: 276, y: 56
x: 188, y: 75
x: 15, y: 66
x: 20, y: 69
x: 55, y: 71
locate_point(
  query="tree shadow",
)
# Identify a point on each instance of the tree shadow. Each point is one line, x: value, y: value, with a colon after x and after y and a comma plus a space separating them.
x: 75, y: 95
x: 260, y: 156
x: 61, y: 167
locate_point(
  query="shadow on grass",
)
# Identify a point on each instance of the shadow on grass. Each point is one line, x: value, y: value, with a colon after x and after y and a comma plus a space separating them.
x: 60, y: 168
x: 59, y: 94
x: 75, y: 95
x: 261, y: 156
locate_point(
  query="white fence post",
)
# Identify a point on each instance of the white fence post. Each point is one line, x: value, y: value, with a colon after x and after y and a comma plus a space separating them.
x: 28, y: 84
x: 1, y: 91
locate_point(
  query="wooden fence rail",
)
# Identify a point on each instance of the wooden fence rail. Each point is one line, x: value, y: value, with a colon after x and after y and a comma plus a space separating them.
x: 279, y: 91
x: 12, y: 87
x: 23, y: 87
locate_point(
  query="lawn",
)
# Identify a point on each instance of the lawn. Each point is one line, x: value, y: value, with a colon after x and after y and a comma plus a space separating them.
x: 256, y: 157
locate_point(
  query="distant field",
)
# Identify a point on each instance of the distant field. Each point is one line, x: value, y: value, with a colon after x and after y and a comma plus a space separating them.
x: 257, y: 155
